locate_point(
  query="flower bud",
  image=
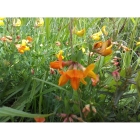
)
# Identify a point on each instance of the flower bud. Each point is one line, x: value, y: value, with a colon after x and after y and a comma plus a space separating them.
x: 116, y: 75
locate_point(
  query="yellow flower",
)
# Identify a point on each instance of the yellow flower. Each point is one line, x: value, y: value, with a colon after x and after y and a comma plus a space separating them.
x: 1, y: 23
x: 83, y: 49
x: 2, y: 18
x: 24, y: 42
x: 104, y: 30
x: 96, y: 36
x: 39, y: 22
x: 16, y: 22
x: 80, y: 33
x: 138, y: 43
x: 60, y: 54
x: 98, y: 33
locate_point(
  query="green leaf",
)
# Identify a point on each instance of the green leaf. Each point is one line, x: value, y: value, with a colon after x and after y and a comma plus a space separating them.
x: 8, y: 111
x: 52, y: 84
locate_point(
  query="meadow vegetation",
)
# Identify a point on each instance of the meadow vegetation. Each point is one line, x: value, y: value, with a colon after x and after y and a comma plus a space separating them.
x: 69, y: 69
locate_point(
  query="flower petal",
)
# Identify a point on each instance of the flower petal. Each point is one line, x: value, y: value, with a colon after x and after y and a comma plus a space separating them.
x: 88, y: 69
x: 75, y: 73
x: 40, y: 119
x: 63, y: 79
x: 75, y: 83
x: 55, y: 65
x: 80, y: 33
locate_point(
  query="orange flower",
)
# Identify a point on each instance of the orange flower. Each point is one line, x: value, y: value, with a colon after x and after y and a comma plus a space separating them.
x: 103, y: 48
x: 29, y: 39
x: 73, y: 75
x: 57, y: 64
x: 40, y: 119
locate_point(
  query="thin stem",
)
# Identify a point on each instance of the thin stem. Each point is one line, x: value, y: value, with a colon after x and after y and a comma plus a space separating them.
x: 79, y: 104
x: 71, y: 26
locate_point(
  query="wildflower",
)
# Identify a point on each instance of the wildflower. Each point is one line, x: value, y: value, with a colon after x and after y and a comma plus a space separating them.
x: 115, y: 61
x: 67, y: 43
x: 52, y: 71
x: 1, y: 23
x: 2, y: 18
x: 6, y: 39
x: 83, y: 49
x: 22, y: 47
x: 116, y: 75
x: 76, y: 76
x: 87, y: 109
x: 96, y: 36
x: 88, y: 72
x: 125, y: 48
x: 93, y: 109
x: 41, y: 45
x: 29, y: 39
x: 79, y: 33
x: 69, y: 117
x: 32, y: 71
x: 103, y: 48
x: 16, y: 22
x: 60, y: 54
x: 104, y: 30
x: 138, y: 43
x: 73, y: 75
x: 39, y: 22
x: 18, y: 37
x: 57, y: 64
x: 40, y: 119
x: 95, y: 80
x: 58, y: 43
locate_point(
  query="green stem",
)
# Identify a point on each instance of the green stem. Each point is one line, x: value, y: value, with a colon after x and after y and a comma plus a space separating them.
x: 71, y: 26
x: 40, y: 96
x: 79, y: 98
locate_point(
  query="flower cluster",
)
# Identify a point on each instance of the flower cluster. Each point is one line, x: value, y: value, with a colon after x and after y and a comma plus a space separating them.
x: 1, y: 21
x: 6, y: 39
x: 69, y: 117
x: 75, y: 73
x: 87, y: 109
x: 23, y: 46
